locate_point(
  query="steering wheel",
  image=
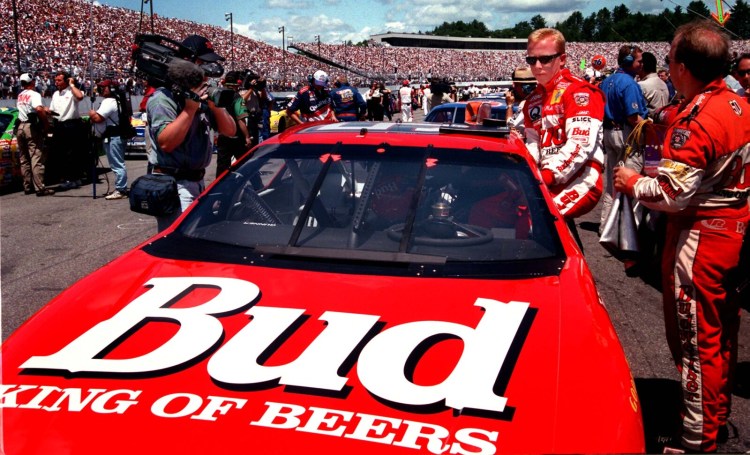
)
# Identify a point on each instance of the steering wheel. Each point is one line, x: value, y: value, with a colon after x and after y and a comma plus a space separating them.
x: 442, y: 232
x: 248, y: 206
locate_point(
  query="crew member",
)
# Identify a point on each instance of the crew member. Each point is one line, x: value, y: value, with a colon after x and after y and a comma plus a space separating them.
x: 348, y: 104
x: 68, y: 132
x: 229, y: 147
x: 702, y: 185
x: 624, y: 109
x: 312, y: 102
x: 405, y: 95
x: 32, y: 128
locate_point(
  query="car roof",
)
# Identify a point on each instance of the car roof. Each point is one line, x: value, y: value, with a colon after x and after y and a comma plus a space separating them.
x: 461, y: 136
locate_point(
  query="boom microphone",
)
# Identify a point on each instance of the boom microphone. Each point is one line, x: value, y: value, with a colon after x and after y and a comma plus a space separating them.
x: 185, y: 74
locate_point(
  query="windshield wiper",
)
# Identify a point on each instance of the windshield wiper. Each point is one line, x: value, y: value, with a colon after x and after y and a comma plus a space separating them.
x: 312, y: 195
x: 412, y: 214
x: 351, y: 255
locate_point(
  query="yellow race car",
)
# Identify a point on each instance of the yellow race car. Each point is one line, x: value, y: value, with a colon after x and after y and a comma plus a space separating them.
x: 279, y: 119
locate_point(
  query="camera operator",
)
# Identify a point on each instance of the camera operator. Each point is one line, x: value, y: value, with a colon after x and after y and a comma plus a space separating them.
x: 106, y: 122
x: 179, y: 124
x: 233, y: 146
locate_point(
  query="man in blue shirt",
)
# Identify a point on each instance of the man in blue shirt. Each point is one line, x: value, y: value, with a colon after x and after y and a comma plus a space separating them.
x: 348, y: 104
x: 625, y: 107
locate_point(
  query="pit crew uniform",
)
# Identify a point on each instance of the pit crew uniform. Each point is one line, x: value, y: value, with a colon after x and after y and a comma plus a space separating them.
x: 703, y: 182
x: 313, y: 105
x: 30, y: 136
x: 348, y: 103
x: 563, y: 123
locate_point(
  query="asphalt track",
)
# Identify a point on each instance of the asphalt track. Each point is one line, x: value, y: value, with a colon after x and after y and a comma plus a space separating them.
x: 49, y: 243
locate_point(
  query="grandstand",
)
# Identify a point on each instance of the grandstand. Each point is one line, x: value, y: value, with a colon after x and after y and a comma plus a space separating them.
x: 91, y: 40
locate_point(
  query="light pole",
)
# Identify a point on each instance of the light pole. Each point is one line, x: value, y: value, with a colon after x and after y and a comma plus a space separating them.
x: 317, y: 38
x: 283, y: 52
x: 140, y: 22
x: 15, y: 33
x: 228, y: 17
x: 346, y: 59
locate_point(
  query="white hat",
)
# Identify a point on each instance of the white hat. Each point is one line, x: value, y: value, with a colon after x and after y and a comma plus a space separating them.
x: 25, y: 78
x: 320, y: 78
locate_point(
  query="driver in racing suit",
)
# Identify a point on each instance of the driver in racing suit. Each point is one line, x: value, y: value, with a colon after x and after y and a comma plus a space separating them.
x: 563, y: 121
x: 703, y: 183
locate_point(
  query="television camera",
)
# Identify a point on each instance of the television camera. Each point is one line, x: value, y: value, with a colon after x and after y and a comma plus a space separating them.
x: 168, y: 63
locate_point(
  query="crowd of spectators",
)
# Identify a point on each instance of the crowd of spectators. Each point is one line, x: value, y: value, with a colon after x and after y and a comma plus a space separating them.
x: 57, y: 35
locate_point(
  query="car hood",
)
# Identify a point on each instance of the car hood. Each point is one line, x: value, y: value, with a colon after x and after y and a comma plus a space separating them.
x: 183, y: 357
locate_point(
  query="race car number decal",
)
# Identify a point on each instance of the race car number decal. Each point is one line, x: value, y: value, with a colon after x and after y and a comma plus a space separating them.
x: 380, y: 365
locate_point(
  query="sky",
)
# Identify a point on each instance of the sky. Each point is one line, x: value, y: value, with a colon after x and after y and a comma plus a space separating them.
x: 336, y: 21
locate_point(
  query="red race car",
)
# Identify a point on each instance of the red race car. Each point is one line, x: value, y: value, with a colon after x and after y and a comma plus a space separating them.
x: 345, y: 288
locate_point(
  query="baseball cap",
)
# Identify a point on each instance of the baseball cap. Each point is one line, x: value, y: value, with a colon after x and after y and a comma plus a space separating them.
x: 25, y: 78
x: 320, y: 78
x: 406, y: 82
x: 202, y: 48
x: 523, y: 75
x: 105, y: 83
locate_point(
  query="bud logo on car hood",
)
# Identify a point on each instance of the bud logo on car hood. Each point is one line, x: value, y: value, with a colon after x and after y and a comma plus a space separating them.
x: 380, y: 366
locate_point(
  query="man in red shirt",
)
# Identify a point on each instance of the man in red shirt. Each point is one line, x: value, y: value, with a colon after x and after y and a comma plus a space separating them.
x: 703, y: 184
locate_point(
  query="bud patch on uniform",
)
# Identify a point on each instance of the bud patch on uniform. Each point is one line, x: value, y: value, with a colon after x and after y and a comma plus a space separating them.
x: 735, y: 107
x: 581, y: 99
x: 679, y: 137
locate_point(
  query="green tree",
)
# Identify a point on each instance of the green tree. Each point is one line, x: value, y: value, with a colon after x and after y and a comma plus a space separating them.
x: 522, y: 29
x: 603, y: 26
x: 621, y: 13
x: 588, y: 31
x: 572, y: 27
x: 739, y: 21
x: 698, y: 9
x: 538, y: 22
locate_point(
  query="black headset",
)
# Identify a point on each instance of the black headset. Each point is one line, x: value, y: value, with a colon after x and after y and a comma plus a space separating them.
x: 628, y: 60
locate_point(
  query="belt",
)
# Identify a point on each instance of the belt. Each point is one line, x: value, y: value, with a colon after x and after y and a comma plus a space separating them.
x: 193, y: 175
x: 612, y: 125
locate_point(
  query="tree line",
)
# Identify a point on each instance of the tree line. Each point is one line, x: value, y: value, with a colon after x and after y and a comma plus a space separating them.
x: 618, y: 24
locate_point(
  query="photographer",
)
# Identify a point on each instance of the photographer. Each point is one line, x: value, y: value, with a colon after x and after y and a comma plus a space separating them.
x: 233, y: 146
x: 180, y: 122
x: 106, y: 126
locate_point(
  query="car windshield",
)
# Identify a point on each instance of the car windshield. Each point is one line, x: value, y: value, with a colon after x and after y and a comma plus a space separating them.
x: 382, y: 204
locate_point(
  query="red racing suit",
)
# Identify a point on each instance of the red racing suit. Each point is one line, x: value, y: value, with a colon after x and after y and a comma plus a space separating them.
x: 703, y: 182
x: 563, y: 122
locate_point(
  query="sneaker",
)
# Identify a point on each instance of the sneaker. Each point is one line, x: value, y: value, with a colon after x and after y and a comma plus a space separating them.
x: 116, y: 194
x: 45, y: 192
